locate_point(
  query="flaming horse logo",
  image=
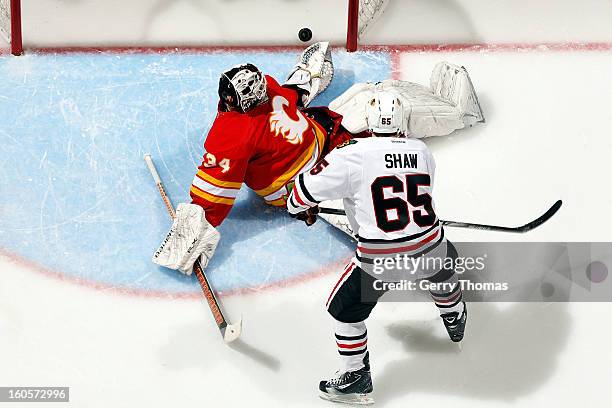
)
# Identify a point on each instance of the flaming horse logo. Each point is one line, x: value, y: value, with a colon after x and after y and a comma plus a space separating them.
x: 281, y: 124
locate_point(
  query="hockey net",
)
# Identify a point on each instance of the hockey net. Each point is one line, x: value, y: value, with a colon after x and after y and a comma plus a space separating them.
x: 10, y: 24
x: 362, y: 16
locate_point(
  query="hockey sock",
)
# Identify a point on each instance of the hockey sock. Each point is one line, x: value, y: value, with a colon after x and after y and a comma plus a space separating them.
x: 352, y: 342
x: 447, y: 295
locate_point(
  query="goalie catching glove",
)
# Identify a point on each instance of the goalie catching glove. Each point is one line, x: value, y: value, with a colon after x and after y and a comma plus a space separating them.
x: 313, y: 72
x: 191, y: 236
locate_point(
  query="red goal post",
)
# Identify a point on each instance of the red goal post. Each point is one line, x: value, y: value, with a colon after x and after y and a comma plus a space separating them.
x: 362, y: 14
x: 10, y: 24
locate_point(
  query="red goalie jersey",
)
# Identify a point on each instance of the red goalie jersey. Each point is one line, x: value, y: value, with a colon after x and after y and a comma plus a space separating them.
x: 265, y: 148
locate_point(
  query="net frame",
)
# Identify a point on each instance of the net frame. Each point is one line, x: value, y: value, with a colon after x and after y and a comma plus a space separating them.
x: 369, y: 12
x: 362, y: 14
x: 10, y: 24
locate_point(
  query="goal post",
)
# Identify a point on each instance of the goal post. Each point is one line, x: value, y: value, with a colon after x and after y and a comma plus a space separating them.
x: 352, y: 28
x: 361, y: 15
x: 10, y: 24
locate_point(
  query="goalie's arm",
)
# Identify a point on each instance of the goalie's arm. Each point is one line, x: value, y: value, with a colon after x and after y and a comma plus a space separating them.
x: 222, y: 171
x: 213, y: 192
x: 215, y: 195
x: 193, y: 233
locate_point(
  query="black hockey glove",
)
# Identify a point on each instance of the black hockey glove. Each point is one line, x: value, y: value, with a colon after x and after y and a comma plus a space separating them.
x: 309, y: 216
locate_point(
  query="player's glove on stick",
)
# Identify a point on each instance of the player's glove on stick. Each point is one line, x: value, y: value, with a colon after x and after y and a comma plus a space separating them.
x: 191, y: 235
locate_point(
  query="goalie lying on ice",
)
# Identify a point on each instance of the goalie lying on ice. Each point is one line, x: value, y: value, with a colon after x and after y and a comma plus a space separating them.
x: 265, y: 135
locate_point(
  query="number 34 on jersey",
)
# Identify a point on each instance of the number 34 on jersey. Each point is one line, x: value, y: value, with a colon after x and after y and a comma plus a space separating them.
x: 211, y: 161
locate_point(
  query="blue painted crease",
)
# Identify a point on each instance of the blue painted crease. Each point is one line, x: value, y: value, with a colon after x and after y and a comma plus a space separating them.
x: 76, y: 196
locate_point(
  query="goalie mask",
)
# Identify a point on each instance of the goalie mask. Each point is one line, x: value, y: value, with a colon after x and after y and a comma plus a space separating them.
x: 243, y: 87
x: 384, y: 113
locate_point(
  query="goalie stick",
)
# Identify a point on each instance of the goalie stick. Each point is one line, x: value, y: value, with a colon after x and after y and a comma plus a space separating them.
x: 458, y: 224
x: 230, y: 332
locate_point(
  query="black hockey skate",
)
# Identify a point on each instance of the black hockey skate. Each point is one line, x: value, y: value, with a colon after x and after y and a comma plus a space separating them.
x: 352, y: 387
x: 455, y: 324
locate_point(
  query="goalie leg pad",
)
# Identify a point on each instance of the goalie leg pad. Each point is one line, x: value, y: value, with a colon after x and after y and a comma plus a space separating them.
x: 452, y: 83
x: 448, y: 104
x: 352, y: 106
x: 191, y: 236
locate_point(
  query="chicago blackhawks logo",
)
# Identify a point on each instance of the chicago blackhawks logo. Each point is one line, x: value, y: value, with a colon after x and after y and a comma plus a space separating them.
x: 281, y: 124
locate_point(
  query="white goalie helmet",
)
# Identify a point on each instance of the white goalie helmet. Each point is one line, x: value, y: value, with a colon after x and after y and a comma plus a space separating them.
x: 384, y: 113
x: 243, y: 87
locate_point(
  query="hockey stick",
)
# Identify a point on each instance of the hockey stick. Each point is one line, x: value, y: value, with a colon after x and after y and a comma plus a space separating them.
x: 230, y: 332
x: 522, y: 229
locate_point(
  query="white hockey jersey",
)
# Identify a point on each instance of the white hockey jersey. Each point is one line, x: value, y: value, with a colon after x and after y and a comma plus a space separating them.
x: 386, y: 184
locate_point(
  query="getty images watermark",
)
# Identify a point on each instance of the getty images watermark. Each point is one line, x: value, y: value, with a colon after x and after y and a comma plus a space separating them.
x: 420, y: 267
x: 412, y: 264
x: 496, y: 271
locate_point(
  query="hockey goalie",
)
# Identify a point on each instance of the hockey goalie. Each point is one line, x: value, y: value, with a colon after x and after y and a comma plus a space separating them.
x: 266, y: 134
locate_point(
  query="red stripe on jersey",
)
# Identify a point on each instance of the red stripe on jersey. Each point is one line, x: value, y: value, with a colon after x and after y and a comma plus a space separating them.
x: 348, y: 269
x: 352, y: 346
x: 399, y: 249
x: 297, y: 197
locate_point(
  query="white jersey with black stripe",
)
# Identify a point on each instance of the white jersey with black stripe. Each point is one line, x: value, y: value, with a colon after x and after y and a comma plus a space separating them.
x: 386, y: 184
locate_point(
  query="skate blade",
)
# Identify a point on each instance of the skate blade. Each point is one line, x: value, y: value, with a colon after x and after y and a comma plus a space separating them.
x: 352, y: 399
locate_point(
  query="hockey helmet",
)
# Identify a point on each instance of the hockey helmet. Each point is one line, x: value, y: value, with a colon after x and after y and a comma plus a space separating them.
x: 384, y: 113
x: 243, y: 87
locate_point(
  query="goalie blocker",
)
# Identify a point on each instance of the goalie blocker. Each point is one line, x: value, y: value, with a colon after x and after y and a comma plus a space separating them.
x: 191, y: 236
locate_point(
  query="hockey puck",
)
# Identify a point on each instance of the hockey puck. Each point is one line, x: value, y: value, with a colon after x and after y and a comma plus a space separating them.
x: 305, y: 34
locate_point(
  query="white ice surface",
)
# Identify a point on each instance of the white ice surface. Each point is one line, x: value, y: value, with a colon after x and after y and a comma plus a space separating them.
x: 545, y: 139
x: 123, y: 352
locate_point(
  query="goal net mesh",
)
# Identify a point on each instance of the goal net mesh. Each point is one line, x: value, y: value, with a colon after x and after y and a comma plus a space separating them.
x: 5, y: 19
x: 369, y: 12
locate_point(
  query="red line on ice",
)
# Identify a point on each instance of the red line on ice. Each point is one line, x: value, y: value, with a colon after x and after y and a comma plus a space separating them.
x: 160, y: 294
x: 462, y: 47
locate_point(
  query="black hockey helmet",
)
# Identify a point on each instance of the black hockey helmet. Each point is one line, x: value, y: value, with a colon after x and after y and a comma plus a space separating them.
x: 243, y: 87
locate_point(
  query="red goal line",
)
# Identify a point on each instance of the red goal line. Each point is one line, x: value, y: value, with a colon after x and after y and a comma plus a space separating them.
x: 392, y: 48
